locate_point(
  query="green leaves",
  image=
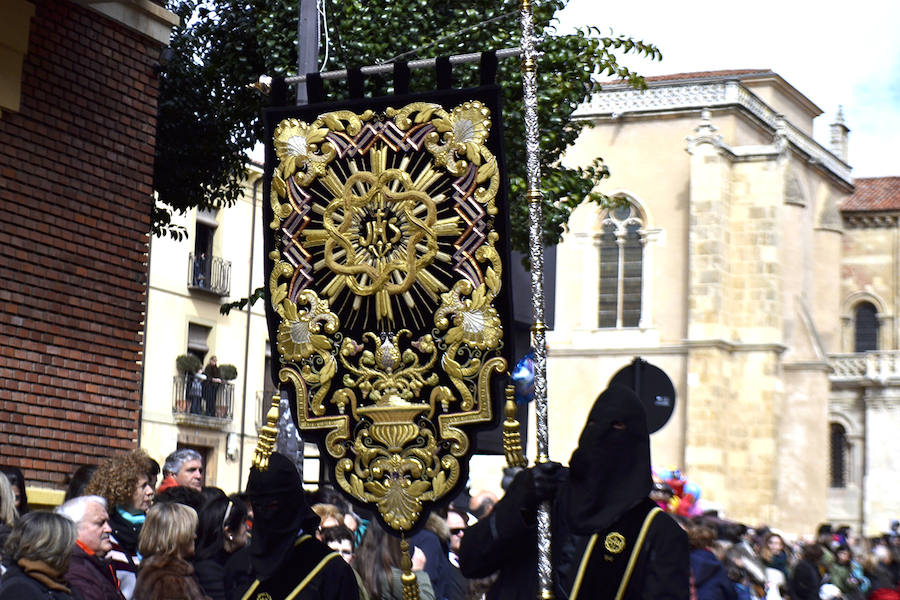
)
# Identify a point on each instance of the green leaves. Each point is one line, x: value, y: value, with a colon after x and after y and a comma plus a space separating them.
x: 208, y: 118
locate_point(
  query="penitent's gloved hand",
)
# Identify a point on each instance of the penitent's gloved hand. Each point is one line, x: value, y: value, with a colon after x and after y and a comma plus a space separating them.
x: 540, y: 484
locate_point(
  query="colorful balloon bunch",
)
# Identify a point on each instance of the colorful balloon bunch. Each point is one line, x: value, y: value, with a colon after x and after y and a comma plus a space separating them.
x: 684, y: 494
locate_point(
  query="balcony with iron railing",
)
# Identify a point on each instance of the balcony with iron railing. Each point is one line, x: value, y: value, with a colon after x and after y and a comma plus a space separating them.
x: 202, y: 403
x: 210, y: 274
x: 876, y: 366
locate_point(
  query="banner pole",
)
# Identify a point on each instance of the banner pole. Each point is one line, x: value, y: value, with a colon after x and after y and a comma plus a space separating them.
x: 536, y: 256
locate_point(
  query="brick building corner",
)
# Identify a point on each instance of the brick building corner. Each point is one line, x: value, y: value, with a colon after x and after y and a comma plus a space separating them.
x: 77, y: 134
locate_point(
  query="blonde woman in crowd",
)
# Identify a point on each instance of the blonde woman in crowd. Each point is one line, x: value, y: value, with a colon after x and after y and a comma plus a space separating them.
x: 330, y: 516
x: 166, y: 544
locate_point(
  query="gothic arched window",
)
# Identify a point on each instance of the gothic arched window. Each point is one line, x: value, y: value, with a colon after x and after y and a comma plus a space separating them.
x: 839, y: 448
x: 865, y: 337
x: 621, y: 266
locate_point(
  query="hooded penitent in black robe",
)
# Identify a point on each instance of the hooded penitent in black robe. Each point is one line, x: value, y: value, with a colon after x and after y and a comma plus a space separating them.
x: 599, y: 515
x: 285, y: 558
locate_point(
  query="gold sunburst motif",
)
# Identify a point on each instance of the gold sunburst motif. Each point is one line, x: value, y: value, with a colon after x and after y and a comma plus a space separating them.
x: 384, y: 282
x: 380, y: 236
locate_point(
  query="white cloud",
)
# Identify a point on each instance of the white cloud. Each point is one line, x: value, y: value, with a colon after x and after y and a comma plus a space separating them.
x: 834, y: 53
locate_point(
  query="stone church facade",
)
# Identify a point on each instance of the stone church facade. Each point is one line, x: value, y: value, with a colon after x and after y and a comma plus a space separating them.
x: 737, y: 262
x: 865, y: 397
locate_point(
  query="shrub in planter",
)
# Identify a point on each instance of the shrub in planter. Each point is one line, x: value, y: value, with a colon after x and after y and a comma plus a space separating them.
x: 228, y: 372
x: 188, y: 363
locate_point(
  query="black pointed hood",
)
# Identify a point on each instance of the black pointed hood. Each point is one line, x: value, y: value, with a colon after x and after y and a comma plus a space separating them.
x: 280, y: 512
x: 610, y: 470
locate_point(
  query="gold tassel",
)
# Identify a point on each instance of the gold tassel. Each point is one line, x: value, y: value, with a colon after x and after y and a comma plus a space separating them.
x: 268, y: 433
x: 410, y: 584
x: 512, y: 439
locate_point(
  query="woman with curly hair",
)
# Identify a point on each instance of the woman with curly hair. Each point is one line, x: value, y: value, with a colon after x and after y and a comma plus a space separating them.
x: 122, y: 480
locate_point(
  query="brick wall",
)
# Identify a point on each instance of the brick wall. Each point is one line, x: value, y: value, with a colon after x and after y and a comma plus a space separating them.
x: 75, y: 197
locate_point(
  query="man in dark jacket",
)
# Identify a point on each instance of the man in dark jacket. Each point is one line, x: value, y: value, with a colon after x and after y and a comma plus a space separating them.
x: 433, y: 541
x: 286, y: 559
x: 805, y: 579
x: 606, y: 534
x: 89, y: 571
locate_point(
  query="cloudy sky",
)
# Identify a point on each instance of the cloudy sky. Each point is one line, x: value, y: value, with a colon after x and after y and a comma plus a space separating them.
x: 834, y: 53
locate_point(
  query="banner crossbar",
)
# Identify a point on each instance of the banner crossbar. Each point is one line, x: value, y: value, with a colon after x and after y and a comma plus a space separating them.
x: 424, y: 63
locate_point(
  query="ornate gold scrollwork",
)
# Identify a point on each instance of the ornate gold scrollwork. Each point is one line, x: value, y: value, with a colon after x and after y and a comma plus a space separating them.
x: 384, y: 279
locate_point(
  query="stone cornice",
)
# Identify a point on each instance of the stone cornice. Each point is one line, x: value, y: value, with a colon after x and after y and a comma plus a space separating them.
x: 808, y: 365
x: 867, y: 220
x: 880, y: 401
x: 593, y: 351
x: 143, y: 16
x: 673, y: 349
x: 616, y: 102
x: 735, y: 346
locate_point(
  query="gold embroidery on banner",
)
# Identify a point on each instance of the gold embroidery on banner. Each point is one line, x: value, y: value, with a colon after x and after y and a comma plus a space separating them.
x: 383, y: 229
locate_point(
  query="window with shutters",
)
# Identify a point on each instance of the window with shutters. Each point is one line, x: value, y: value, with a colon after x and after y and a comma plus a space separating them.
x: 839, y: 447
x: 198, y: 336
x: 621, y: 266
x: 865, y: 335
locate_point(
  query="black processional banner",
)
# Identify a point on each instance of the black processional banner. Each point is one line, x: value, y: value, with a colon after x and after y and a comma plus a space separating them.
x: 387, y: 292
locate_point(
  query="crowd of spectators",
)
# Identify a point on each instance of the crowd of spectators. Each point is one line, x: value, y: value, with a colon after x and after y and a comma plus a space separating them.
x: 120, y: 537
x: 731, y: 561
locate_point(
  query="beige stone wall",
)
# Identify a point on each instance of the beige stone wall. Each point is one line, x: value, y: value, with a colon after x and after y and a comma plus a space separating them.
x: 744, y: 305
x: 802, y: 451
x: 868, y: 273
x: 826, y: 298
x: 732, y: 428
x: 756, y: 287
x: 882, y: 458
x: 868, y: 409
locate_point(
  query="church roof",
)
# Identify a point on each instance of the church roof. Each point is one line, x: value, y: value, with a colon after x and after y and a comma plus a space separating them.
x: 736, y: 73
x: 874, y: 193
x: 752, y: 79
